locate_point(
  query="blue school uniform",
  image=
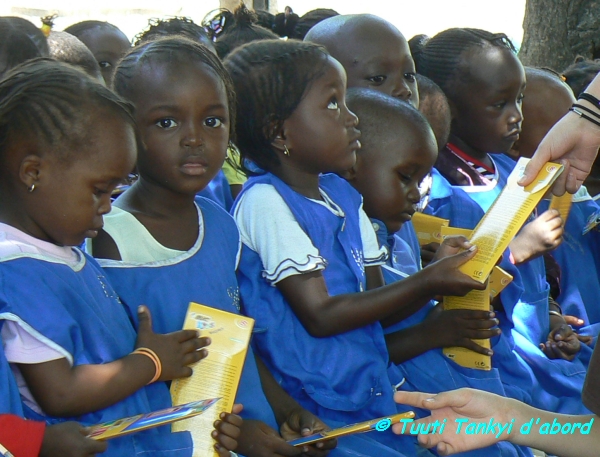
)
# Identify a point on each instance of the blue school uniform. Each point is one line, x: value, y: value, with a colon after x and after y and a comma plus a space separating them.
x: 341, y: 378
x: 10, y: 399
x: 453, y: 203
x: 75, y: 311
x: 431, y: 371
x: 556, y: 384
x: 578, y: 258
x: 205, y: 274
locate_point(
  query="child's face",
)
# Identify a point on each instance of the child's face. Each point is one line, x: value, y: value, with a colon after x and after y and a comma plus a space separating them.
x: 183, y: 123
x: 108, y: 46
x: 321, y: 133
x: 545, y: 103
x: 381, y: 60
x: 389, y: 172
x: 70, y: 199
x: 486, y: 108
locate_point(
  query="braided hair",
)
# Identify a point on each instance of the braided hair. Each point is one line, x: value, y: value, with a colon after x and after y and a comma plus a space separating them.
x: 171, y: 50
x: 440, y: 59
x: 270, y: 78
x: 20, y: 40
x: 180, y: 26
x: 52, y: 102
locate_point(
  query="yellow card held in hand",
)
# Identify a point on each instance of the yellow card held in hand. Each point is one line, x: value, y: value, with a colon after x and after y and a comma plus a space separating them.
x: 217, y: 375
x: 505, y: 218
x: 562, y: 204
x: 428, y: 228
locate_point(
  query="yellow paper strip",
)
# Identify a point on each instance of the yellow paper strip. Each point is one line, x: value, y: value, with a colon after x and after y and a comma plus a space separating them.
x: 428, y: 228
x: 562, y: 204
x: 505, y: 218
x: 217, y: 375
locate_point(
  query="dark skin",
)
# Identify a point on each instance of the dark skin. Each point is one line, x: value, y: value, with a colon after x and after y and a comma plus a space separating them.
x: 176, y: 118
x: 388, y: 173
x: 60, y: 389
x: 69, y: 439
x: 321, y: 314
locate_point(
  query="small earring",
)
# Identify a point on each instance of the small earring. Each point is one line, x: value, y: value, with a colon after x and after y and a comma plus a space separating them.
x: 31, y: 188
x: 286, y: 151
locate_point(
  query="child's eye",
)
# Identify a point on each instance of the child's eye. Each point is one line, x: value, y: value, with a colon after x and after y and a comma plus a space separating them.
x: 499, y: 105
x: 213, y: 122
x: 98, y: 192
x: 410, y: 77
x: 104, y: 64
x: 404, y: 177
x: 378, y: 79
x: 166, y: 123
x: 333, y: 104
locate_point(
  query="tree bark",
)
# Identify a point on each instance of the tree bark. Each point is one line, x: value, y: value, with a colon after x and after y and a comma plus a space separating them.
x: 556, y: 31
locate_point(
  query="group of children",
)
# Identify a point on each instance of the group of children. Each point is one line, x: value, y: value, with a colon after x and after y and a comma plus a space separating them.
x: 317, y: 245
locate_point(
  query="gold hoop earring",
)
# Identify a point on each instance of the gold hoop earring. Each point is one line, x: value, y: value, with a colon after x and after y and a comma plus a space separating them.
x: 286, y: 151
x: 31, y: 188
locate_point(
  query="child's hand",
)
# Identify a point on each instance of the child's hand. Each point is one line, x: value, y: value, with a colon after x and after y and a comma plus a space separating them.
x: 226, y: 432
x: 458, y: 327
x: 562, y: 343
x: 69, y: 439
x: 450, y: 246
x: 428, y: 252
x: 303, y: 423
x: 446, y: 279
x: 257, y: 439
x: 541, y: 235
x: 175, y: 350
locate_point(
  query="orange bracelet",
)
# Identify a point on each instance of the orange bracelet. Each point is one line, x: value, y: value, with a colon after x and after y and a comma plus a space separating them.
x: 152, y: 356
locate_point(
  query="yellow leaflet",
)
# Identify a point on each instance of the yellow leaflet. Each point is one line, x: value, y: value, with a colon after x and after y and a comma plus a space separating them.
x: 428, y: 228
x: 216, y: 376
x: 562, y: 205
x: 505, y: 218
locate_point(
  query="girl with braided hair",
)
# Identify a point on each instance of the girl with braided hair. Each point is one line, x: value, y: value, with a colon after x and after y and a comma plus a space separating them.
x: 67, y: 141
x: 309, y: 252
x: 484, y: 82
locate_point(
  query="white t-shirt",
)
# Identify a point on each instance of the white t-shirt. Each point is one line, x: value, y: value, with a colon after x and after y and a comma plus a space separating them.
x: 268, y: 227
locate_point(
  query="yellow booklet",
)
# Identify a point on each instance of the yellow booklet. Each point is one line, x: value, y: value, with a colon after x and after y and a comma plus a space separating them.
x: 562, y: 205
x: 428, y: 228
x: 477, y: 300
x: 216, y: 376
x: 381, y: 425
x: 505, y: 218
x: 133, y: 424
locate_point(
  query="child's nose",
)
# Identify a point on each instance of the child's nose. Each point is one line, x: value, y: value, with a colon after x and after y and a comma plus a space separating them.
x: 191, y: 137
x: 105, y: 205
x: 351, y: 119
x: 401, y: 90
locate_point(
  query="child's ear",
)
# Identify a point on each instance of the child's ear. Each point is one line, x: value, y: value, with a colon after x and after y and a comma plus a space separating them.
x: 274, y: 129
x: 29, y: 170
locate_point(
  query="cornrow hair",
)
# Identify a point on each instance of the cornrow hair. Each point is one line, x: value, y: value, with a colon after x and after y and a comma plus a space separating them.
x: 270, y: 78
x: 52, y: 102
x: 20, y: 40
x: 171, y: 50
x: 242, y: 30
x: 82, y: 27
x: 174, y: 26
x: 440, y: 58
x: 580, y: 74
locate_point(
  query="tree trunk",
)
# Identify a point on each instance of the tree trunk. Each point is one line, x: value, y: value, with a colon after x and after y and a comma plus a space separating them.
x: 556, y: 31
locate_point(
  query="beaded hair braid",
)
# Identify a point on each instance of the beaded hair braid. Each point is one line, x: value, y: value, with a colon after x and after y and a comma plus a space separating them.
x: 52, y: 102
x: 270, y: 78
x: 440, y: 59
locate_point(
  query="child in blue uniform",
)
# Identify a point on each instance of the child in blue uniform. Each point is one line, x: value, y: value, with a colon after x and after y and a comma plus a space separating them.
x: 548, y: 98
x: 308, y: 247
x: 490, y: 122
x: 388, y: 173
x: 167, y: 250
x: 68, y: 142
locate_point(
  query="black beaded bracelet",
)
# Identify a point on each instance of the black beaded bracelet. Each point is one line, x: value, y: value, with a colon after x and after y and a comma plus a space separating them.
x: 590, y: 98
x: 585, y: 116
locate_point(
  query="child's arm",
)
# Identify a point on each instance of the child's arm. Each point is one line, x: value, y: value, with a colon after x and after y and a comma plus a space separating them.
x: 69, y: 439
x: 443, y: 329
x: 539, y: 236
x: 63, y: 391
x: 323, y: 315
